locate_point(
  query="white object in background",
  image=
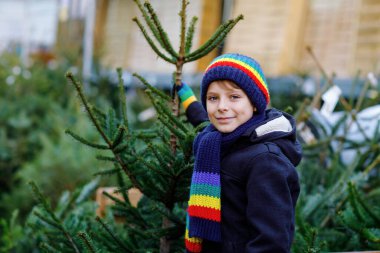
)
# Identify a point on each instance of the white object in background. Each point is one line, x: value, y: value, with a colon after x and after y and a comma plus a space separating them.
x: 147, y: 114
x: 330, y: 99
x: 372, y: 79
x: 305, y: 133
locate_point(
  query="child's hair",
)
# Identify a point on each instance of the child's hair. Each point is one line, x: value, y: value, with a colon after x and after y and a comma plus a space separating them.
x: 242, y: 70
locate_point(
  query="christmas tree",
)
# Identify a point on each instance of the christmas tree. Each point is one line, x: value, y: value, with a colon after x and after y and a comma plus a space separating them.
x: 336, y: 211
x: 157, y: 161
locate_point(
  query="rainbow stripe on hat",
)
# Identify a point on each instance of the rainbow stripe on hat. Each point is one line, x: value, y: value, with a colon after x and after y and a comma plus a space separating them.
x: 252, y: 69
x: 242, y: 70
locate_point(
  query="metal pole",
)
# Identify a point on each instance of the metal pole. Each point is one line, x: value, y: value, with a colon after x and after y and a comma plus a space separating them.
x: 25, y: 48
x: 88, y: 41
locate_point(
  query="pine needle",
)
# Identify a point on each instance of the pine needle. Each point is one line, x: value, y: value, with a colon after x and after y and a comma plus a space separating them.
x: 190, y: 35
x: 86, y: 142
x: 153, y: 89
x: 112, y: 234
x: 151, y: 43
x: 87, y: 241
x: 122, y: 99
x: 162, y: 34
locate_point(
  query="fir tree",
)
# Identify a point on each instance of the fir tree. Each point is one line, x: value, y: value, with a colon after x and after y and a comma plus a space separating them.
x: 332, y: 215
x: 328, y: 198
x: 157, y: 161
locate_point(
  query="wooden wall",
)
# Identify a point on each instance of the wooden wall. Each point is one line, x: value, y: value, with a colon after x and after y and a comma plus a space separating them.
x: 345, y: 34
x: 124, y: 45
x: 270, y: 32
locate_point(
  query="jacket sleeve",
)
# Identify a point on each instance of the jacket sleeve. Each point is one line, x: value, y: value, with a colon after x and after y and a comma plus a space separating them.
x: 270, y: 208
x: 196, y: 114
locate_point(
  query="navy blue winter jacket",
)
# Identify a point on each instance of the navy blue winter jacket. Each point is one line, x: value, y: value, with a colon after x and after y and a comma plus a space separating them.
x: 260, y: 186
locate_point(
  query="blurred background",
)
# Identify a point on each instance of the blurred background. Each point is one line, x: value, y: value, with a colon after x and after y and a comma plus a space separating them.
x: 343, y: 33
x: 40, y: 40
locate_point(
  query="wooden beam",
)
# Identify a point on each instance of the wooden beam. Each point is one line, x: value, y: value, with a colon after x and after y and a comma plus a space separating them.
x: 210, y: 18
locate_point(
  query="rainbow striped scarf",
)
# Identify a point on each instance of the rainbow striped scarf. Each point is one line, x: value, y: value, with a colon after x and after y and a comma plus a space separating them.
x: 204, y: 207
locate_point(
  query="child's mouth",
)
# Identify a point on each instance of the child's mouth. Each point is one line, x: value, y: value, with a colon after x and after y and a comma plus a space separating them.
x: 224, y: 119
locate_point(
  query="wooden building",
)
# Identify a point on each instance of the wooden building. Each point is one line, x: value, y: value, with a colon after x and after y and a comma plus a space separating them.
x: 271, y: 32
x: 121, y: 44
x: 344, y: 34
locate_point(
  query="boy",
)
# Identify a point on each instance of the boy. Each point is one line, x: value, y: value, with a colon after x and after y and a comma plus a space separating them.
x: 244, y: 186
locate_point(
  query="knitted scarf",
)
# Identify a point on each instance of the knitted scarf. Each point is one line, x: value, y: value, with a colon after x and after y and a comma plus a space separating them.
x: 204, y: 207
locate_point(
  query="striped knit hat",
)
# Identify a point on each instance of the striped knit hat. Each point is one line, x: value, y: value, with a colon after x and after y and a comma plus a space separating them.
x: 244, y: 72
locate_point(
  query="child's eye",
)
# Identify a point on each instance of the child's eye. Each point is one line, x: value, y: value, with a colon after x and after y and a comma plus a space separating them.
x: 234, y: 97
x: 212, y: 98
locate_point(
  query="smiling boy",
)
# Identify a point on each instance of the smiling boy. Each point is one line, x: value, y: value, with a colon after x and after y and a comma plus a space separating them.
x: 227, y: 106
x: 244, y: 185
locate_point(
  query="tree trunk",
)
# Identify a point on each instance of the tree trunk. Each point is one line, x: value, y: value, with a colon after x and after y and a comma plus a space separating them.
x: 164, y: 241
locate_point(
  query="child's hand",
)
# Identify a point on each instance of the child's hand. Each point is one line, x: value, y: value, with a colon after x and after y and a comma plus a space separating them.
x: 185, y: 94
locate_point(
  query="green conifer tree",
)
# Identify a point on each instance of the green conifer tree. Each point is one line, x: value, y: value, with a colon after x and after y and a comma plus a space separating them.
x: 332, y: 214
x: 157, y: 161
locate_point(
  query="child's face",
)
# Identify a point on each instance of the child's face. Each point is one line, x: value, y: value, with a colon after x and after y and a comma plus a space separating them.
x: 228, y: 106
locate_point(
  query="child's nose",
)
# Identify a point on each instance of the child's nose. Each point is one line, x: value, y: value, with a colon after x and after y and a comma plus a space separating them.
x: 222, y: 105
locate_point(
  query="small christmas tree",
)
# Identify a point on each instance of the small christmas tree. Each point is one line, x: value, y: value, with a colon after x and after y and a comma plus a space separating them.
x: 157, y: 161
